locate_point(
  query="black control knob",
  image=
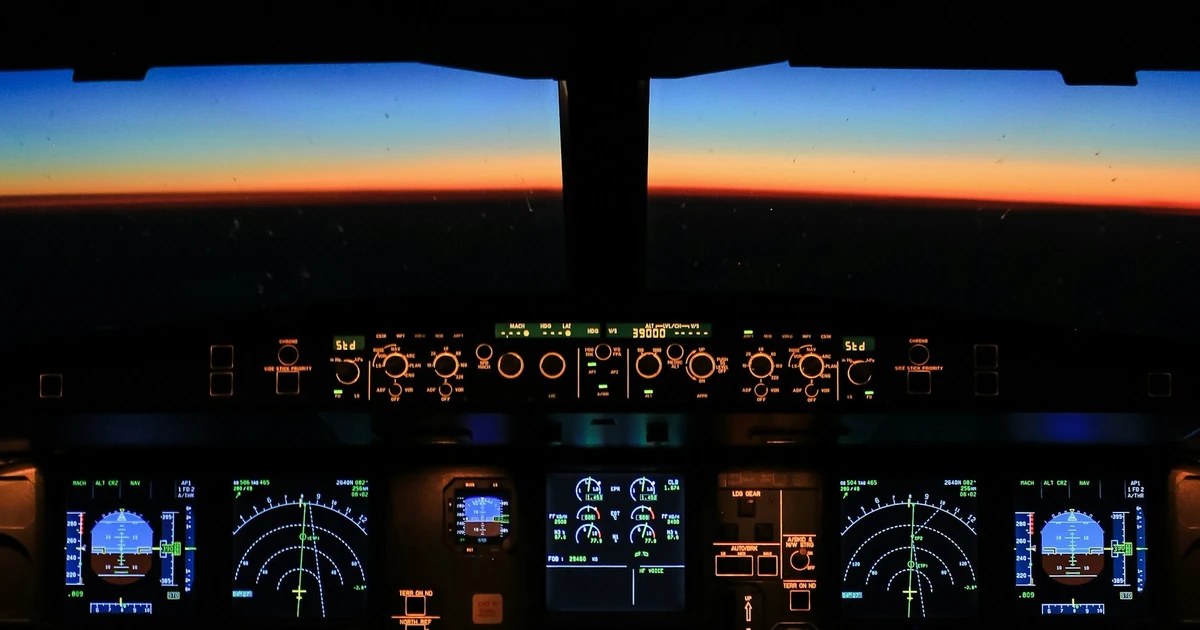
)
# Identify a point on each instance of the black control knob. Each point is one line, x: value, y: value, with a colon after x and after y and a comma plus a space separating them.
x: 701, y: 365
x: 510, y: 365
x: 347, y: 372
x: 812, y: 366
x: 761, y: 390
x: 552, y: 365
x: 918, y: 354
x: 859, y: 372
x: 483, y: 352
x: 395, y: 365
x: 602, y: 352
x: 761, y: 365
x: 445, y: 365
x: 649, y: 365
x: 799, y: 560
x: 445, y: 389
x: 395, y: 389
x: 674, y: 352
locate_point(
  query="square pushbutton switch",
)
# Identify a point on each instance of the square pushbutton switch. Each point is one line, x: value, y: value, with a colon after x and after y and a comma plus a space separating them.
x: 987, y: 356
x: 799, y: 601
x: 414, y: 605
x: 220, y: 357
x: 50, y: 386
x: 768, y: 566
x: 1158, y: 384
x: 220, y: 384
x: 287, y: 383
x: 920, y: 382
x: 747, y: 508
x: 987, y: 384
x: 764, y: 532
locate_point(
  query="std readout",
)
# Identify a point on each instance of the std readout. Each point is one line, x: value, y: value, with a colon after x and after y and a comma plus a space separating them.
x: 348, y: 343
x: 858, y: 344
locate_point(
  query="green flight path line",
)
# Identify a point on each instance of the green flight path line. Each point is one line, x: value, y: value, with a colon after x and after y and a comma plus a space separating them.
x: 912, y: 553
x: 300, y: 576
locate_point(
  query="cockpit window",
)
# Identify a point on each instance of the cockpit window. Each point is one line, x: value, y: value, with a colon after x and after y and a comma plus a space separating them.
x: 208, y: 190
x: 1003, y: 192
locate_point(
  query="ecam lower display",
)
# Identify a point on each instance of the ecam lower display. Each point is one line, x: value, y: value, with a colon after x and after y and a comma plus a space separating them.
x: 614, y: 542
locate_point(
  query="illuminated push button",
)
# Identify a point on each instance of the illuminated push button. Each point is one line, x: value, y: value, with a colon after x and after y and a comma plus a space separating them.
x: 1158, y: 384
x: 415, y: 606
x: 735, y: 566
x: 987, y: 384
x: 799, y: 601
x: 918, y: 354
x: 287, y: 383
x: 552, y: 365
x: 220, y: 357
x: 289, y: 355
x: 987, y: 356
x: 510, y: 365
x: 50, y: 386
x: 768, y: 566
x: 220, y: 384
x: 920, y: 382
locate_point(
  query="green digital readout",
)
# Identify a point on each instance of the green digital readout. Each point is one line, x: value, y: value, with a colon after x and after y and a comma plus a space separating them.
x: 664, y: 330
x: 858, y: 344
x: 547, y: 330
x: 348, y: 343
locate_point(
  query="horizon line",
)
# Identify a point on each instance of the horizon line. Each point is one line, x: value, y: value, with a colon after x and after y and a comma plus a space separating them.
x: 924, y: 200
x: 229, y: 198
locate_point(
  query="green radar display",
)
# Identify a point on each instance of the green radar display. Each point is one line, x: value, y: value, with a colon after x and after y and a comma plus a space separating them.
x: 909, y: 548
x: 300, y: 548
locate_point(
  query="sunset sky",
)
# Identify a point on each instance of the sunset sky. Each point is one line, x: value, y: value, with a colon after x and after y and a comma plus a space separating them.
x: 389, y: 127
x: 988, y: 136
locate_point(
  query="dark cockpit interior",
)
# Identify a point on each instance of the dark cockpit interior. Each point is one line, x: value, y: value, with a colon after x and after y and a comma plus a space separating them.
x: 820, y: 322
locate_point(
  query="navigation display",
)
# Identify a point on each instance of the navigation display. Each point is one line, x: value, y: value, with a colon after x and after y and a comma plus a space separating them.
x: 909, y: 548
x: 614, y: 542
x: 130, y: 546
x: 300, y: 547
x: 1080, y: 547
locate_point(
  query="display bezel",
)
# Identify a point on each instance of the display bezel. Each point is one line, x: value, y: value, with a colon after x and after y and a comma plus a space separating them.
x: 479, y: 487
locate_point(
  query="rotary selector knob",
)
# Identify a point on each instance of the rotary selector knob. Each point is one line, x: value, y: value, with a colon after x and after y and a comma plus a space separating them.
x: 445, y: 365
x: 812, y: 365
x: 552, y: 365
x: 649, y: 365
x: 675, y: 352
x: 799, y: 560
x: 394, y: 390
x: 510, y: 365
x: 347, y: 372
x: 761, y: 365
x: 859, y: 372
x: 602, y: 352
x: 445, y: 389
x: 395, y: 365
x: 702, y: 365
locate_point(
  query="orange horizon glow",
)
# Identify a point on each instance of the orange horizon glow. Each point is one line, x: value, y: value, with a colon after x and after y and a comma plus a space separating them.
x: 919, y: 177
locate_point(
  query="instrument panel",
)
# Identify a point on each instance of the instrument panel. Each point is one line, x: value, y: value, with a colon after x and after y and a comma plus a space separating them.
x: 454, y: 538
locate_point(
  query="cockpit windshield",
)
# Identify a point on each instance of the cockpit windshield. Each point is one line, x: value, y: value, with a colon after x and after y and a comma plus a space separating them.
x: 977, y: 190
x: 205, y: 190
